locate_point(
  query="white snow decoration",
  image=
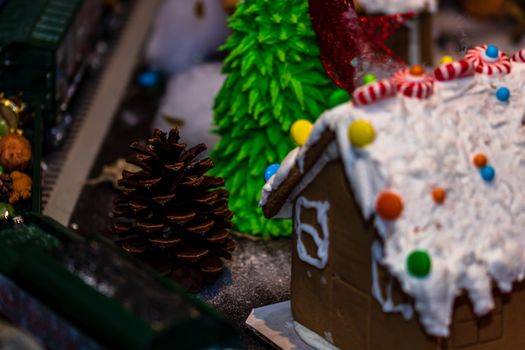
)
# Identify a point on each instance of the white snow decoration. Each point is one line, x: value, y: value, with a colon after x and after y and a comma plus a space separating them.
x: 476, y: 238
x: 398, y: 6
x: 387, y: 304
x: 189, y: 97
x: 180, y: 38
x: 322, y: 243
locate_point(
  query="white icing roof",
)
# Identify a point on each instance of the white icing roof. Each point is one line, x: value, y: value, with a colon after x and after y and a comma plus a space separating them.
x: 398, y: 6
x: 477, y: 236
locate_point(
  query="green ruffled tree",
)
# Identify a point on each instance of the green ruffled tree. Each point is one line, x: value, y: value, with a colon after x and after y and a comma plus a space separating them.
x: 274, y: 77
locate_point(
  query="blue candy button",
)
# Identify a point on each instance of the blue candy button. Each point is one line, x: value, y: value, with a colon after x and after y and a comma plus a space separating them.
x: 488, y: 173
x: 270, y: 171
x: 503, y: 94
x: 492, y: 51
x: 148, y: 78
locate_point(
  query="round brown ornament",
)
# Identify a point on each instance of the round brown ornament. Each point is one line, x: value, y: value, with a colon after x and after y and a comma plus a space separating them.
x: 21, y: 187
x: 15, y: 152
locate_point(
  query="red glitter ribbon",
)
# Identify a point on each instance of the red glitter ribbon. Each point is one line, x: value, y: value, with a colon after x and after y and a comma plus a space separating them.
x: 377, y: 29
x: 344, y: 36
x: 335, y: 39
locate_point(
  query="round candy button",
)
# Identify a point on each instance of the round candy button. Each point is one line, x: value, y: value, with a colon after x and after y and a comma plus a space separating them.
x: 417, y: 70
x: 338, y: 97
x: 148, y: 78
x: 488, y: 173
x: 270, y: 171
x: 439, y: 195
x: 503, y: 94
x: 369, y: 78
x: 419, y: 264
x: 492, y: 51
x: 361, y: 133
x: 480, y: 160
x: 300, y: 131
x: 446, y: 60
x: 389, y: 205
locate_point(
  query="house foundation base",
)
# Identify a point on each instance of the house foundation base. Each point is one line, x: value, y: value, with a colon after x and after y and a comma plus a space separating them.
x: 274, y: 323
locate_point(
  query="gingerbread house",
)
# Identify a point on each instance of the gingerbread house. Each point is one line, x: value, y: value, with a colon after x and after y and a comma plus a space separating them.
x: 413, y: 41
x: 409, y: 211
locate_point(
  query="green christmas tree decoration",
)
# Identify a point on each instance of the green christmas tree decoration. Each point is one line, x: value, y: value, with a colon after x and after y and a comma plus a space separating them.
x: 274, y: 77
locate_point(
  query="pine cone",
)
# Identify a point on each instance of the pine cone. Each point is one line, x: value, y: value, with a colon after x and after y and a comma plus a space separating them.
x: 6, y: 187
x: 172, y: 215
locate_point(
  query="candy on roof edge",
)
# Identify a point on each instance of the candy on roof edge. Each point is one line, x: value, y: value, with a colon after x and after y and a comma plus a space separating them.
x: 406, y: 83
x: 419, y: 84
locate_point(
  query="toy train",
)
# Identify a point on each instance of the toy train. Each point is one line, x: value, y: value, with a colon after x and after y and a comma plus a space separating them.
x: 45, y: 50
x: 85, y: 293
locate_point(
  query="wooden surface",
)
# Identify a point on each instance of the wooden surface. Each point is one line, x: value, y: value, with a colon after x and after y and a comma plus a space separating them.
x: 274, y: 324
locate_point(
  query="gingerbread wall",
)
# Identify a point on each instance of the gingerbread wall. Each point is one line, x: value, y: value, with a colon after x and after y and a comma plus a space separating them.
x: 337, y: 303
x: 323, y: 300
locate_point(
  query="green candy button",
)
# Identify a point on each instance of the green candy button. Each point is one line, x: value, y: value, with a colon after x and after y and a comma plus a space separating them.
x: 338, y: 97
x: 369, y: 78
x: 419, y: 264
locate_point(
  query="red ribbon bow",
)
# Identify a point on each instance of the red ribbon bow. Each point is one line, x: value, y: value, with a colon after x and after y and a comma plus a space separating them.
x: 344, y: 37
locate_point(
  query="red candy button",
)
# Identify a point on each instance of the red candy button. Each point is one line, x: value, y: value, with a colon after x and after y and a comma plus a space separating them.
x: 389, y: 205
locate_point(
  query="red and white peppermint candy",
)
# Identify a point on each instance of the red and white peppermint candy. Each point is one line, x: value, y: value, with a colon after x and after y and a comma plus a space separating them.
x: 486, y: 65
x: 519, y: 56
x: 373, y: 92
x: 454, y: 70
x: 421, y: 86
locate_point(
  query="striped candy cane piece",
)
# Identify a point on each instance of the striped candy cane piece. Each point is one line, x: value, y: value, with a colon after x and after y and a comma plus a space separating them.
x: 420, y: 87
x: 487, y: 66
x: 373, y: 92
x: 519, y: 56
x: 454, y: 70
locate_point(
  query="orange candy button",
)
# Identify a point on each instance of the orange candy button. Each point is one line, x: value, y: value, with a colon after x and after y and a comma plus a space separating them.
x: 480, y: 160
x: 389, y: 205
x: 417, y: 70
x: 439, y: 194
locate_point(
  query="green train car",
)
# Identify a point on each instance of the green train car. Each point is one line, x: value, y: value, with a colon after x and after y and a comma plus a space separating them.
x: 45, y: 47
x: 80, y: 293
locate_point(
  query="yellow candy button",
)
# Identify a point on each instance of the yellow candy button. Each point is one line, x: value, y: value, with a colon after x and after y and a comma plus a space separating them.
x: 300, y: 131
x: 446, y: 59
x: 361, y: 133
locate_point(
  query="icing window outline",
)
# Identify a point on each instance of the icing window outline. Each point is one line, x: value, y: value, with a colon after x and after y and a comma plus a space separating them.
x: 322, y: 244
